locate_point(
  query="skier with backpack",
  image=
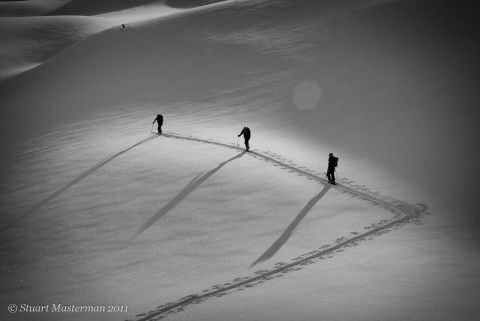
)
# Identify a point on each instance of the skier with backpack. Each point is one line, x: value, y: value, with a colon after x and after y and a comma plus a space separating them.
x: 332, y: 163
x: 159, y: 121
x: 246, y: 135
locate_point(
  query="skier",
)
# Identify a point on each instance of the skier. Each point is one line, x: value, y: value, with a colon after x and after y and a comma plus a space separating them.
x: 332, y: 163
x: 159, y: 121
x: 246, y: 134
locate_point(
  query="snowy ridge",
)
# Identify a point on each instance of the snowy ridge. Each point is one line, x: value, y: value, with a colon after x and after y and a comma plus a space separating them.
x: 403, y: 212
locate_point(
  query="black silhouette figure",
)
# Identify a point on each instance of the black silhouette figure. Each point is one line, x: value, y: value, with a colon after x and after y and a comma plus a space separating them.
x: 159, y: 121
x: 332, y: 163
x: 246, y: 134
x: 123, y: 26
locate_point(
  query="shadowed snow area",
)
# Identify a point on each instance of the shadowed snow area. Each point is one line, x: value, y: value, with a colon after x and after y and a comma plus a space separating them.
x: 29, y: 41
x: 29, y: 7
x: 33, y: 39
x: 97, y: 209
x: 95, y: 7
x: 190, y: 3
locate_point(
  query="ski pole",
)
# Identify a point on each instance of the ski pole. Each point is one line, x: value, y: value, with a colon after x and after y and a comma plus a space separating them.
x: 151, y: 130
x: 237, y: 140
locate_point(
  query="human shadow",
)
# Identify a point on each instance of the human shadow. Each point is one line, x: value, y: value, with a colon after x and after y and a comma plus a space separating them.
x: 78, y: 179
x: 193, y: 185
x: 288, y: 232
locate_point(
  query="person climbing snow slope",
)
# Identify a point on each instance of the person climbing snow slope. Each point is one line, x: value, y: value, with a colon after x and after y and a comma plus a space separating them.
x: 159, y: 120
x: 246, y: 135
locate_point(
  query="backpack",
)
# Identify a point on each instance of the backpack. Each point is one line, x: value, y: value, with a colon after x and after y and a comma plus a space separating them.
x: 335, y: 161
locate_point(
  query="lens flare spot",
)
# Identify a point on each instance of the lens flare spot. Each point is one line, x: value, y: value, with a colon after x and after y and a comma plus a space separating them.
x: 306, y: 95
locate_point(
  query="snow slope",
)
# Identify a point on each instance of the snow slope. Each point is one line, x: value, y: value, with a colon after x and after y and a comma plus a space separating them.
x: 29, y: 8
x: 389, y: 86
x: 157, y: 227
x: 31, y: 40
x: 374, y: 72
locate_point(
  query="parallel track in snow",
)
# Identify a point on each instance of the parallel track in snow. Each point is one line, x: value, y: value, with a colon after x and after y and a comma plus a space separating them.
x: 341, y: 187
x: 403, y: 212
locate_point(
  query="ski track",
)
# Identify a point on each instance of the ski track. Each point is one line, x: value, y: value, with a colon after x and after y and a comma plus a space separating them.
x: 403, y: 213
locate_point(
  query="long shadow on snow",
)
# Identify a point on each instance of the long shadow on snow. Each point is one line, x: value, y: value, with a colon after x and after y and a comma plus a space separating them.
x: 288, y: 232
x: 78, y: 179
x: 193, y: 185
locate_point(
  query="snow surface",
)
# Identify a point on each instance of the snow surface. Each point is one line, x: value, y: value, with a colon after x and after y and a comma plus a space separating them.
x: 95, y: 209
